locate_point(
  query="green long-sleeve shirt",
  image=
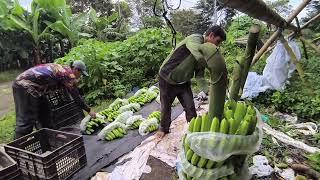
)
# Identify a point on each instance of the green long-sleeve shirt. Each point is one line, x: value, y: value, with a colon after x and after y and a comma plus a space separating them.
x: 185, y: 62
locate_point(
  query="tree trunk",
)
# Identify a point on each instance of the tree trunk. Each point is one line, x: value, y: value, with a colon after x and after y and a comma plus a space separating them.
x: 50, y: 51
x: 241, y: 69
x: 250, y: 51
x: 69, y: 46
x: 62, y: 48
x: 36, y: 52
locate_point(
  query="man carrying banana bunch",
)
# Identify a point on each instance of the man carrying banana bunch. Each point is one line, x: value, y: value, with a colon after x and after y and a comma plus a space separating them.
x: 176, y: 72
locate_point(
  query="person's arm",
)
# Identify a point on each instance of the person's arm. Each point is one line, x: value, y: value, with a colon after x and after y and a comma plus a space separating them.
x: 71, y: 86
x: 78, y: 98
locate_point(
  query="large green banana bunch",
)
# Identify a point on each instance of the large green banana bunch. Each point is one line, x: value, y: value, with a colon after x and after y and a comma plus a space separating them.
x: 239, y: 119
x: 115, y: 133
x: 94, y: 124
x: 135, y: 125
x: 143, y: 97
x: 155, y: 114
x: 113, y: 110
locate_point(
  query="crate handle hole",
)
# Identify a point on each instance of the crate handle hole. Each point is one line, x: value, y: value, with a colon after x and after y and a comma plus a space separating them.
x: 30, y: 138
x: 61, y: 136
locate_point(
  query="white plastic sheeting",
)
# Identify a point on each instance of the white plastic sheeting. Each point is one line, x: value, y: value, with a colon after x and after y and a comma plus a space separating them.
x: 288, y: 140
x: 166, y: 150
x: 275, y: 74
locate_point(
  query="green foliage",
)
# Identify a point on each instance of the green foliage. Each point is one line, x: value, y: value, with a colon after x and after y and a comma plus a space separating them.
x: 116, y: 67
x: 314, y: 160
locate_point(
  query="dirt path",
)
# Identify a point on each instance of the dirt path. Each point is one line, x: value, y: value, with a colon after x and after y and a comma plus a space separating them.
x: 6, y: 98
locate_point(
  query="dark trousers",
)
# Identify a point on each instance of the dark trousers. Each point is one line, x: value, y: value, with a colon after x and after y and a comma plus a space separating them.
x: 28, y: 111
x: 168, y: 93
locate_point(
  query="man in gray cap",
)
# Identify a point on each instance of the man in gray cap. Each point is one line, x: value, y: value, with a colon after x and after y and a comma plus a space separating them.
x: 30, y: 87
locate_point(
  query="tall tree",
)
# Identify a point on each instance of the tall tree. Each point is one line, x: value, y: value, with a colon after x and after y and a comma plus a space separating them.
x: 185, y: 21
x: 103, y: 7
x: 212, y: 12
x: 145, y: 16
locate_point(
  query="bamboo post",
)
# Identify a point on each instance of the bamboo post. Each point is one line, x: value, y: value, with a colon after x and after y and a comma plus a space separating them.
x: 293, y: 58
x: 303, y: 43
x: 310, y: 44
x: 276, y: 34
x: 310, y: 21
x: 241, y: 69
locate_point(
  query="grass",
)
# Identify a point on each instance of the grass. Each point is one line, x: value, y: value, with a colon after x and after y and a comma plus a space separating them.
x: 7, y: 125
x: 9, y: 75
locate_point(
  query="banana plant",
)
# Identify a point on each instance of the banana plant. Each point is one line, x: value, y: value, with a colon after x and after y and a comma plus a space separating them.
x: 16, y: 18
x: 65, y: 23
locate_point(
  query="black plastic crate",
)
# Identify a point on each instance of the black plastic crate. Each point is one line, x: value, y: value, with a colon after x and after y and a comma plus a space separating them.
x: 65, y: 115
x: 48, y: 154
x: 58, y: 97
x: 8, y: 168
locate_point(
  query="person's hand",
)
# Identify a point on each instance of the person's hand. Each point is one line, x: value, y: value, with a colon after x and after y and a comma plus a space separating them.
x: 202, y: 96
x: 92, y: 114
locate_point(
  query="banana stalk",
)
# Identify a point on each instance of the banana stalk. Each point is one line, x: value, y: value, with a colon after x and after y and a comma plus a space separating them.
x: 241, y: 68
x: 218, y: 79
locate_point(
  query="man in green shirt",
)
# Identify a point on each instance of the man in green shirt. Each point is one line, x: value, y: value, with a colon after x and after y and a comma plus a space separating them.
x: 182, y: 64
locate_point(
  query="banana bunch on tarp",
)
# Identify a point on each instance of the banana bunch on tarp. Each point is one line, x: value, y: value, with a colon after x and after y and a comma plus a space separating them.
x: 134, y: 107
x: 90, y: 125
x: 219, y: 139
x: 123, y: 117
x: 112, y: 112
x: 148, y: 126
x: 155, y: 114
x: 134, y: 122
x: 112, y: 131
x: 143, y: 96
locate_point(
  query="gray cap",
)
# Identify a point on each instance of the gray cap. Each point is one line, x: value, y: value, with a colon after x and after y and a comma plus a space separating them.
x: 81, y: 66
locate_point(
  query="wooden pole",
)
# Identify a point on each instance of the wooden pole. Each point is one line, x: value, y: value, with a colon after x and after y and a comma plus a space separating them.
x: 276, y: 34
x: 293, y: 58
x: 310, y: 21
x: 306, y: 24
x: 241, y: 69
